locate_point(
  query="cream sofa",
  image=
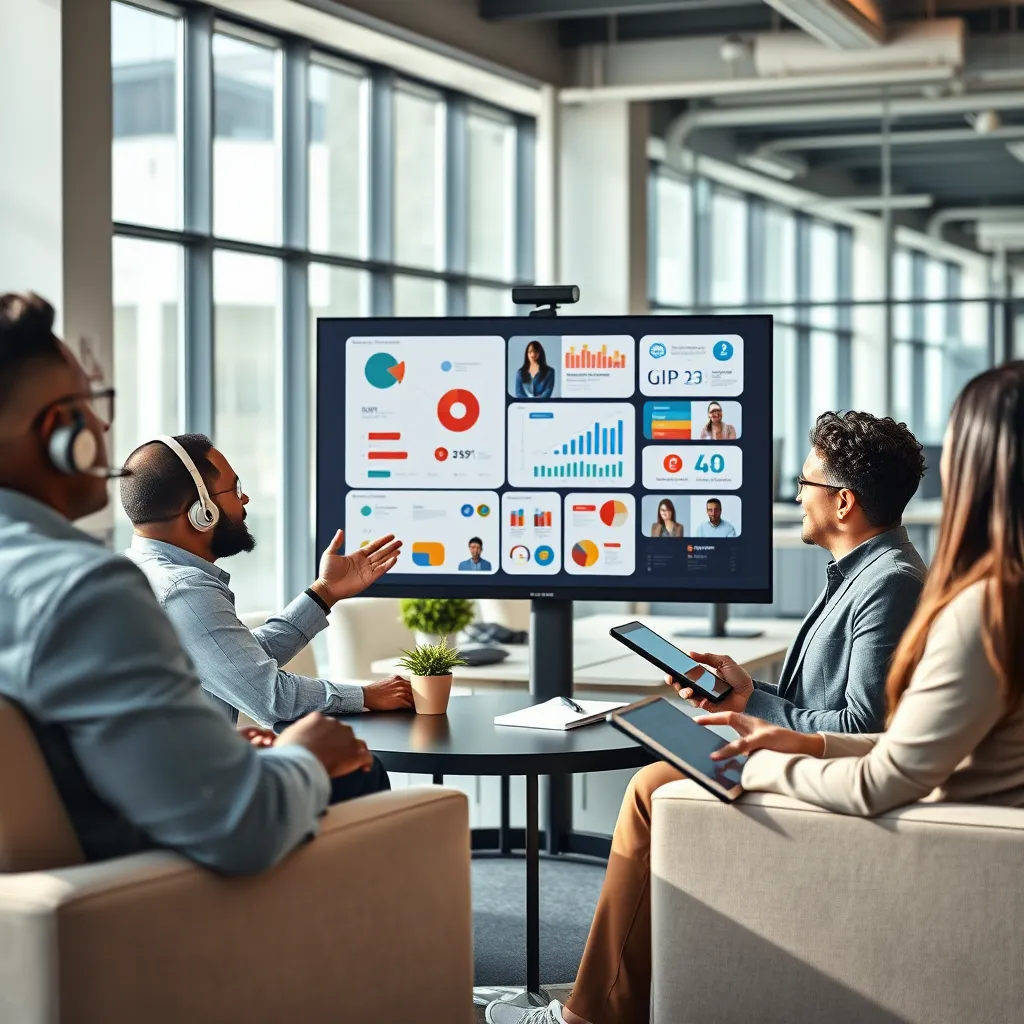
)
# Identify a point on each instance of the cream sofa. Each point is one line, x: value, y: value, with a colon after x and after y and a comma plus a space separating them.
x: 776, y: 911
x: 368, y: 922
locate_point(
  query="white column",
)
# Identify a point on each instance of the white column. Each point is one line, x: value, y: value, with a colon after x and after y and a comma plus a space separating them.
x: 603, y: 196
x: 870, y: 359
x: 55, y: 210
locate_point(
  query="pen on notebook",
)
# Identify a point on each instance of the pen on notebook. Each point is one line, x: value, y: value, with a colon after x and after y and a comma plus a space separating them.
x: 570, y: 703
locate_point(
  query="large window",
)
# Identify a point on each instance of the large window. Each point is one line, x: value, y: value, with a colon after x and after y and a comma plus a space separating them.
x: 259, y: 183
x: 743, y: 254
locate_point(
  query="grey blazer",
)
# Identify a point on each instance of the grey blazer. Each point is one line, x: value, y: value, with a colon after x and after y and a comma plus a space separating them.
x: 833, y: 678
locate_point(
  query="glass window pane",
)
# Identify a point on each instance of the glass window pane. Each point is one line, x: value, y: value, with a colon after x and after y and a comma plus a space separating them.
x: 492, y: 195
x: 935, y: 407
x: 145, y: 58
x: 824, y: 372
x: 247, y: 141
x: 673, y: 282
x: 419, y: 179
x: 418, y: 296
x: 247, y: 409
x: 824, y: 273
x: 779, y: 262
x: 935, y: 287
x: 903, y: 383
x: 147, y: 350
x: 338, y: 155
x: 728, y: 249
x: 902, y: 313
x: 490, y: 301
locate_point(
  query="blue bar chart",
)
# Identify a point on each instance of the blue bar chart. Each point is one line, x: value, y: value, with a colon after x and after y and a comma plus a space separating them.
x: 575, y: 443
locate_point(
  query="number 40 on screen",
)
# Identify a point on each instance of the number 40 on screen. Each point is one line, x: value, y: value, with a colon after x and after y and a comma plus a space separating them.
x: 716, y: 464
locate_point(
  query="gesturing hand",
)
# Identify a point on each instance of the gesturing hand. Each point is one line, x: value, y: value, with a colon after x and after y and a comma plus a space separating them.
x: 756, y: 734
x: 391, y: 694
x: 738, y: 678
x: 344, y: 576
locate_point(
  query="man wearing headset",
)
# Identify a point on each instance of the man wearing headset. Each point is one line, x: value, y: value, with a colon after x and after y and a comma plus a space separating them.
x: 188, y: 509
x: 139, y: 757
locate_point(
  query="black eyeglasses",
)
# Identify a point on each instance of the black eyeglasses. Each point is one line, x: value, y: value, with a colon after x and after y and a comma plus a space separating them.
x: 100, y: 402
x: 801, y: 483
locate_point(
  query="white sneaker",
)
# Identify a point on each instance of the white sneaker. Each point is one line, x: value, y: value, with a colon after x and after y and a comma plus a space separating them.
x: 499, y: 1012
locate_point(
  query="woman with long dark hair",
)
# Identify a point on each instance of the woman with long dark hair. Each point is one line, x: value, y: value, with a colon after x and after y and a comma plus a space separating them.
x: 955, y: 730
x: 715, y: 429
x: 666, y: 525
x: 535, y: 379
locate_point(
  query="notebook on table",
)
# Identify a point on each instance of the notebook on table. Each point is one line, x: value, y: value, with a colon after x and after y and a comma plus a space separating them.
x: 553, y: 714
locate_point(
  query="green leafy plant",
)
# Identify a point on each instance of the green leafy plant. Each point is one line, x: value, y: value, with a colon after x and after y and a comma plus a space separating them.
x: 439, y: 616
x: 431, y: 659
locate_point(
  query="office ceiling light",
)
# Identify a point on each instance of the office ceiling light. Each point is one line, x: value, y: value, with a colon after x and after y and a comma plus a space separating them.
x: 841, y: 24
x: 1016, y: 150
x: 784, y: 166
x: 913, y: 201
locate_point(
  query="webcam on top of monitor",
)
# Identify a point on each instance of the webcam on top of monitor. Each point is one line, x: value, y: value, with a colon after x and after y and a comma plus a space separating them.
x: 546, y: 297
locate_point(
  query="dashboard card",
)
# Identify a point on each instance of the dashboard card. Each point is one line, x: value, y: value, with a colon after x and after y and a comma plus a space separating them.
x: 677, y: 365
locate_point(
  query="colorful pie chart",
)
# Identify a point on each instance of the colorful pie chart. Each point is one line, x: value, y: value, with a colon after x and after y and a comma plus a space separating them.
x: 614, y: 513
x: 585, y: 553
x: 383, y: 370
x: 458, y: 410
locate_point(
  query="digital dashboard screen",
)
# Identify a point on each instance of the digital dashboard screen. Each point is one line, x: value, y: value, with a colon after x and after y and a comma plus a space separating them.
x: 563, y: 457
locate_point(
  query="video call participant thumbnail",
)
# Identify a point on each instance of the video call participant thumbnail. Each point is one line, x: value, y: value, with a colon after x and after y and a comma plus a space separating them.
x: 666, y: 524
x: 535, y: 379
x: 715, y: 429
x: 475, y: 563
x: 715, y: 526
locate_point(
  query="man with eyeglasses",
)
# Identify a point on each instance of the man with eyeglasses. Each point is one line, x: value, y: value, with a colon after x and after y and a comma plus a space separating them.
x: 855, y: 483
x: 138, y: 755
x: 188, y: 508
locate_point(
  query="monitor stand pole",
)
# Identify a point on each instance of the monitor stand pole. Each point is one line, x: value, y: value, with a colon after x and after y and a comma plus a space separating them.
x: 551, y: 676
x: 716, y: 627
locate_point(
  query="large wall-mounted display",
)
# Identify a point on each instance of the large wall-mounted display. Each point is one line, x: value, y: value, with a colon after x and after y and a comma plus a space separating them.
x: 552, y: 457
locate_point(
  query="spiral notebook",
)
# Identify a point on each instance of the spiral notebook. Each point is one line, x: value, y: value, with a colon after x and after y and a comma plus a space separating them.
x: 553, y: 714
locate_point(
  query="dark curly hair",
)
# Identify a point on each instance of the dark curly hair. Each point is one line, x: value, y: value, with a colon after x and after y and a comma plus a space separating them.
x: 878, y: 459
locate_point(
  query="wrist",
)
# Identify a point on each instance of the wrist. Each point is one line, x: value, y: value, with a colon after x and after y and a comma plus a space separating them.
x: 323, y: 591
x: 814, y: 744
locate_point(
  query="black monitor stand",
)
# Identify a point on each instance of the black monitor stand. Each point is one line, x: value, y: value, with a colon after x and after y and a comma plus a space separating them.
x: 716, y: 626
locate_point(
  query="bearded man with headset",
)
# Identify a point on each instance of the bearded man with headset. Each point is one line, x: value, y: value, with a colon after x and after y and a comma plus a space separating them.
x: 187, y: 505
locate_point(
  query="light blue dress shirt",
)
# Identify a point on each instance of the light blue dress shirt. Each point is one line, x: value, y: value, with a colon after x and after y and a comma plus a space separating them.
x: 239, y: 667
x: 723, y: 529
x: 139, y: 757
x: 470, y: 566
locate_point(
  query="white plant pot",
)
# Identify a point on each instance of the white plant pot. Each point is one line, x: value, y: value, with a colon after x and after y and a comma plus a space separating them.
x: 430, y: 693
x: 427, y: 638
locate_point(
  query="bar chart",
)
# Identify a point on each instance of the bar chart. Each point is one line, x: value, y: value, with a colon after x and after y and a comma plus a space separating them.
x: 587, y: 359
x: 593, y: 442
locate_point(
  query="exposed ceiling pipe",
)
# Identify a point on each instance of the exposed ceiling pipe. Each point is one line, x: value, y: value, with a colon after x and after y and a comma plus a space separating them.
x: 976, y: 214
x: 802, y: 113
x: 909, y: 138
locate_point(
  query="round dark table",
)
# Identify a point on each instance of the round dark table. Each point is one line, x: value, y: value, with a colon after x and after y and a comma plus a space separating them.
x: 466, y: 741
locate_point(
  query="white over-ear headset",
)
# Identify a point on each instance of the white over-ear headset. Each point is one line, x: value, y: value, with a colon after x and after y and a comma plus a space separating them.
x: 203, y: 514
x: 73, y: 448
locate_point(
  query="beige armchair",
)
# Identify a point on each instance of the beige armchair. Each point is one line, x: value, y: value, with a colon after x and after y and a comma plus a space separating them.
x: 776, y: 911
x: 368, y: 922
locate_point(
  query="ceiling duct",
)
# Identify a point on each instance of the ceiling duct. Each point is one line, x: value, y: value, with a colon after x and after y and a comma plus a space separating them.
x: 839, y: 24
x: 919, y: 44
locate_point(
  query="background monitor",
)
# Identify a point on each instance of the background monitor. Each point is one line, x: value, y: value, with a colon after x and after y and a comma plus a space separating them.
x: 629, y: 459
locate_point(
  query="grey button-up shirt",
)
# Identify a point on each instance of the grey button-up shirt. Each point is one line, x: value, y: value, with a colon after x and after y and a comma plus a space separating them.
x: 240, y: 668
x: 137, y: 753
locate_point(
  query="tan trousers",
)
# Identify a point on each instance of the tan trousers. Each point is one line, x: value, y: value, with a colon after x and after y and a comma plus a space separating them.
x: 614, y: 981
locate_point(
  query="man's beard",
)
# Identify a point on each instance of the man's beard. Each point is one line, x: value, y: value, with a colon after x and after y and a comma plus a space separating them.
x: 231, y: 536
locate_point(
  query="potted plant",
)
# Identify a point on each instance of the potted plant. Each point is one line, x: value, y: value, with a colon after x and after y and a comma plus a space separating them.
x: 431, y: 618
x: 430, y: 671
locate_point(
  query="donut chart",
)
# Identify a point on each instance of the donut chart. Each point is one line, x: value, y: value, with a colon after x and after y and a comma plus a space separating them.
x: 458, y: 410
x: 585, y: 553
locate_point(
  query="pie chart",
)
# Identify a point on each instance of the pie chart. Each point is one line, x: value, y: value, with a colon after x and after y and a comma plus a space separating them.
x: 458, y: 410
x: 383, y: 370
x: 614, y: 513
x: 584, y: 553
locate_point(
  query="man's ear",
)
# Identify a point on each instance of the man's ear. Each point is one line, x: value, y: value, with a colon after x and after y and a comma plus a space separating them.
x: 846, y: 502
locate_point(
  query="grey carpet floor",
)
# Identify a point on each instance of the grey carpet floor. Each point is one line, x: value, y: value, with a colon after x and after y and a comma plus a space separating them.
x: 568, y: 896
